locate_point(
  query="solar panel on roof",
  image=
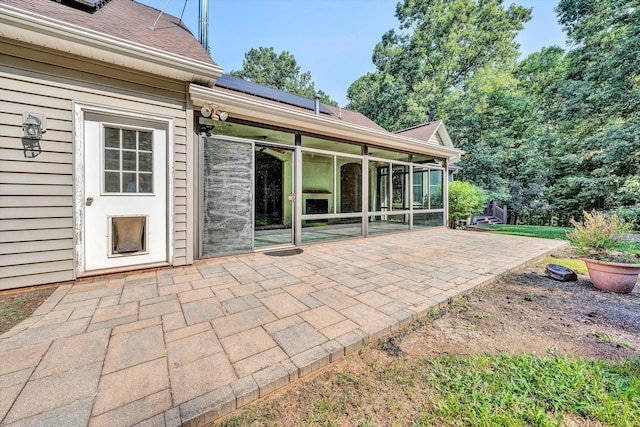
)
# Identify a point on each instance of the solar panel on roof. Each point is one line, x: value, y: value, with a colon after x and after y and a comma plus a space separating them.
x: 239, y: 85
x: 88, y: 5
x: 93, y: 3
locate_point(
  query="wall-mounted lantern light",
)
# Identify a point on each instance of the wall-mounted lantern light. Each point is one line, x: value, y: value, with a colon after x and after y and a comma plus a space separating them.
x: 33, y: 125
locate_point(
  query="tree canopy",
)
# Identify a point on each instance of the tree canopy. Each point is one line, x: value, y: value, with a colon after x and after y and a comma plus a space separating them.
x: 552, y: 135
x: 440, y: 45
x: 279, y: 71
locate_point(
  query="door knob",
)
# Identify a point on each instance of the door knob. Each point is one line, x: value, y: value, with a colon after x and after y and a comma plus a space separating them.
x: 89, y: 201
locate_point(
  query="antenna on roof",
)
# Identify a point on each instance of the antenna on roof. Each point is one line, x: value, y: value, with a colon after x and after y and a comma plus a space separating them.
x: 153, y: 27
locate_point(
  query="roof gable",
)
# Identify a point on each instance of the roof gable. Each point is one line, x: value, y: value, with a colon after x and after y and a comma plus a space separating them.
x: 433, y: 132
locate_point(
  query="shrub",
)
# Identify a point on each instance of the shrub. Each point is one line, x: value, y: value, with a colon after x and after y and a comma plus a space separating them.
x: 631, y: 214
x: 465, y: 200
x: 598, y: 235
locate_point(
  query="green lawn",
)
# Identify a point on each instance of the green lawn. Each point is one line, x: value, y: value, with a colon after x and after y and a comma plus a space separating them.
x: 485, y: 390
x: 545, y: 232
x: 530, y: 390
x: 531, y: 231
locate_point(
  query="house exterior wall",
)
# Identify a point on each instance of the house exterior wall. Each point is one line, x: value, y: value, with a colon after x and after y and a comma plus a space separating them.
x: 37, y: 223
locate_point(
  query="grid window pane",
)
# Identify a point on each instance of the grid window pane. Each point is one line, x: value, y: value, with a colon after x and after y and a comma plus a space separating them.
x: 317, y: 182
x: 112, y: 182
x: 145, y: 162
x: 129, y: 139
x: 435, y: 188
x: 420, y: 186
x: 128, y: 161
x: 426, y: 220
x: 112, y: 137
x: 145, y: 181
x: 349, y: 185
x: 144, y: 141
x: 112, y: 159
x: 400, y: 187
x: 383, y: 224
x: 129, y: 180
x: 378, y: 186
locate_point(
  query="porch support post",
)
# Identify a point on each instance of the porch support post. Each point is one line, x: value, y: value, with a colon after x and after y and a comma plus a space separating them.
x: 297, y: 182
x: 365, y: 191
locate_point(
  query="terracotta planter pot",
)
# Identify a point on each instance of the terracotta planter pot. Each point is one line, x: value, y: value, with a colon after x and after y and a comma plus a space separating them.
x: 612, y: 276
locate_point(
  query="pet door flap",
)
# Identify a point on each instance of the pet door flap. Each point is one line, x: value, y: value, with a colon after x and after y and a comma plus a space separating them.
x: 128, y: 234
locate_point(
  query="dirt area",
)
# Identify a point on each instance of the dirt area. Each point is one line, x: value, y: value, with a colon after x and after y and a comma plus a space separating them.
x: 18, y: 305
x: 528, y: 312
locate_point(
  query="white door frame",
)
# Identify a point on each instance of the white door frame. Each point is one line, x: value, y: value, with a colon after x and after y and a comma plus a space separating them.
x: 80, y: 110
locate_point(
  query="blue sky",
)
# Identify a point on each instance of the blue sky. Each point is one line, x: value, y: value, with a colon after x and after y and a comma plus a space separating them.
x: 333, y: 39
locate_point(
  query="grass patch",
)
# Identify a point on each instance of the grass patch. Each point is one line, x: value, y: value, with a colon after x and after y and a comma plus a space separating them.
x: 16, y: 307
x: 10, y: 313
x: 576, y: 265
x: 542, y: 232
x: 502, y: 389
x: 530, y: 390
x: 557, y: 233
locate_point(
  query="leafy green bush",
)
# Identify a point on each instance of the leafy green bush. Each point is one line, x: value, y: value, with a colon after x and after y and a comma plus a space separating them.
x: 465, y: 200
x: 598, y: 236
x: 631, y: 214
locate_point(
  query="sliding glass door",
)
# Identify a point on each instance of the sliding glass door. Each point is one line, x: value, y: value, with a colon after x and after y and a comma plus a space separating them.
x: 273, y: 197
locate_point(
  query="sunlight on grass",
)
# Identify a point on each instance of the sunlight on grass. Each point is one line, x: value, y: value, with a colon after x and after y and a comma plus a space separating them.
x: 486, y: 390
x: 530, y: 390
x: 542, y: 232
x: 558, y: 233
x: 576, y: 265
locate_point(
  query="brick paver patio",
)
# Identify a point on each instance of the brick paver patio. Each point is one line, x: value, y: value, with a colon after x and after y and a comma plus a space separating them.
x: 189, y: 344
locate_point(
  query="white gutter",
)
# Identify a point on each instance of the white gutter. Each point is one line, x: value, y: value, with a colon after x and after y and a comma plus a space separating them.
x: 18, y: 24
x: 258, y: 110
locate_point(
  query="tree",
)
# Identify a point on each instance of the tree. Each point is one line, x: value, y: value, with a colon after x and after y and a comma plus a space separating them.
x: 598, y: 154
x: 541, y: 75
x: 279, y: 71
x: 492, y: 119
x: 465, y: 200
x: 442, y: 43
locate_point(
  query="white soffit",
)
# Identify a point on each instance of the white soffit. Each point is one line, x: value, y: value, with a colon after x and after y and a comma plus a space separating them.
x: 257, y: 110
x: 20, y: 25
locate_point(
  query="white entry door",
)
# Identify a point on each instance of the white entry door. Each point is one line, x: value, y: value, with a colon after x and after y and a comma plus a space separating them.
x: 125, y: 194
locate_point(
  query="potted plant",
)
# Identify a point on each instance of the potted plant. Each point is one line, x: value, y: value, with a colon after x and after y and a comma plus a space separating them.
x: 597, y: 239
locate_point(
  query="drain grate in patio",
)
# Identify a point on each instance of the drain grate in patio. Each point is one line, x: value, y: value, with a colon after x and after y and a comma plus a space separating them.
x: 286, y: 252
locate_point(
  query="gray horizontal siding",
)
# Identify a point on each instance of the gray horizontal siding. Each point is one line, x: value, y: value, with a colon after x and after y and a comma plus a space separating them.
x: 36, y: 194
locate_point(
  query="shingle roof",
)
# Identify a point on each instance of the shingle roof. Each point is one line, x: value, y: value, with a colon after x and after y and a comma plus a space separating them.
x: 125, y: 19
x: 337, y: 113
x: 350, y: 116
x: 422, y: 132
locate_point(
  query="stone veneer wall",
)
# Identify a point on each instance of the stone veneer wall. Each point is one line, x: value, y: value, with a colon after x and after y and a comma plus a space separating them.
x: 228, y: 177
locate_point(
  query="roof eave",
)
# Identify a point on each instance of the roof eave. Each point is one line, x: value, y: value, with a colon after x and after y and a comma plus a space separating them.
x: 21, y: 25
x: 255, y: 109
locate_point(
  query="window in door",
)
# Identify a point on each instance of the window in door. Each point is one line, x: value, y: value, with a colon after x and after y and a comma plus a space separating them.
x: 128, y: 160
